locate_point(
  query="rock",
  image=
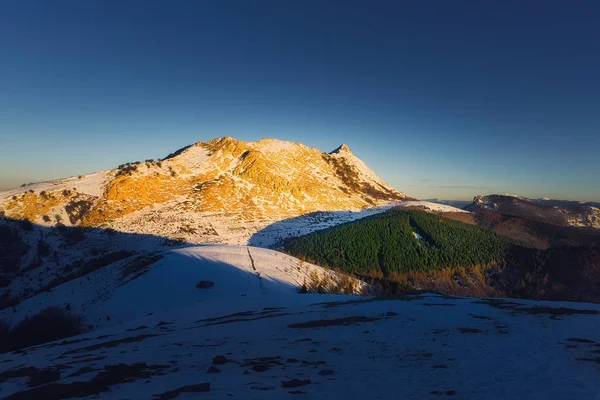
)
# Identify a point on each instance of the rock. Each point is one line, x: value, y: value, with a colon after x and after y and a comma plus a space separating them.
x: 326, y: 372
x: 295, y: 383
x: 220, y: 360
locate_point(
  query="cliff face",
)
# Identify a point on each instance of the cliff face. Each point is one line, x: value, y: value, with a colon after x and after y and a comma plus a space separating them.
x: 245, y: 181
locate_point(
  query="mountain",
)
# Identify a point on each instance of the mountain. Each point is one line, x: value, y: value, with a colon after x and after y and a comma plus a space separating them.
x: 564, y: 203
x: 224, y: 191
x: 221, y: 191
x: 547, y: 211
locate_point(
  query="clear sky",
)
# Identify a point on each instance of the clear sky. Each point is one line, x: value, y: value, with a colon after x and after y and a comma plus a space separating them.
x: 445, y: 99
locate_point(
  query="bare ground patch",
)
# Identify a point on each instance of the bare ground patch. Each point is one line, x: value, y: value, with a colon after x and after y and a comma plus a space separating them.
x: 100, y: 383
x: 138, y: 266
x: 333, y: 322
x: 109, y: 344
x: 534, y: 310
x: 469, y: 330
x: 172, y: 394
x: 37, y: 376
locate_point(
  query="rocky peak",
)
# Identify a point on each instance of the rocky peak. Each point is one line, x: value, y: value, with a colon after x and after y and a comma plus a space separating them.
x: 343, y: 149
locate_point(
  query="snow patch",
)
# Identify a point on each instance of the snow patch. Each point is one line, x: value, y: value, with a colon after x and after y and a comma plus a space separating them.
x: 431, y: 206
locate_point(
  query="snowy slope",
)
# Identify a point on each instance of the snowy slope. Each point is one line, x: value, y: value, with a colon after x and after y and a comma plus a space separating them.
x: 326, y: 347
x: 90, y: 184
x: 272, y: 234
x: 431, y: 206
x: 169, y: 281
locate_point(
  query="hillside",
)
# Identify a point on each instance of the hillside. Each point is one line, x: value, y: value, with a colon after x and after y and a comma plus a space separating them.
x: 400, y: 241
x: 221, y: 191
x: 546, y: 211
x: 163, y: 280
x: 541, y: 235
x: 402, y: 249
x: 324, y: 347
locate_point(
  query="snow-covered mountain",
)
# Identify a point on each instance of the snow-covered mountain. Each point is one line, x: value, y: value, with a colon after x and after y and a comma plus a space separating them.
x: 221, y: 191
x: 57, y: 234
x: 542, y: 210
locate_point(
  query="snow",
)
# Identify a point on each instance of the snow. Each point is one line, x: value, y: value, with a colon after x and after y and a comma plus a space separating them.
x: 274, y: 232
x: 270, y: 145
x: 236, y: 271
x: 431, y: 206
x: 91, y: 184
x: 423, y: 347
x: 193, y: 157
x: 365, y: 174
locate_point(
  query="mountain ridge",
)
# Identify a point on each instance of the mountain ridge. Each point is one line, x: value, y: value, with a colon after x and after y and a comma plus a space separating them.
x: 261, y: 181
x: 555, y: 212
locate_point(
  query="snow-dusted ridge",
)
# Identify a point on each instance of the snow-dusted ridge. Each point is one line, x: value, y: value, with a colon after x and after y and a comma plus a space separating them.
x: 431, y: 206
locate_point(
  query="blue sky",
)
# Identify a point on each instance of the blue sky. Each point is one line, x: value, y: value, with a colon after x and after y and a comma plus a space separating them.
x: 442, y: 99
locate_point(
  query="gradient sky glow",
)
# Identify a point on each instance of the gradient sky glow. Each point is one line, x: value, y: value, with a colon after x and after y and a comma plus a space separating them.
x: 445, y: 99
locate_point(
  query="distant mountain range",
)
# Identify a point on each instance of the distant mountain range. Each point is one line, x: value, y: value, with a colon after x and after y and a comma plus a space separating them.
x: 556, y: 212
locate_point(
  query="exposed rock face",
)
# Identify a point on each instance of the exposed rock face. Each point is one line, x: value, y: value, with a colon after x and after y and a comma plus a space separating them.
x: 245, y: 181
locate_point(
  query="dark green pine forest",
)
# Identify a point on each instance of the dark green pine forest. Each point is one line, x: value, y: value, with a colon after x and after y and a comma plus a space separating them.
x: 400, y: 241
x: 410, y: 249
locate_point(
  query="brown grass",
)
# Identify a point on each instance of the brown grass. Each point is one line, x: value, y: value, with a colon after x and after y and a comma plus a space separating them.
x: 139, y: 266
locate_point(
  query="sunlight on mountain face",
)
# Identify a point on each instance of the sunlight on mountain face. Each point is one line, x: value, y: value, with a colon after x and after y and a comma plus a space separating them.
x: 285, y: 267
x: 194, y: 195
